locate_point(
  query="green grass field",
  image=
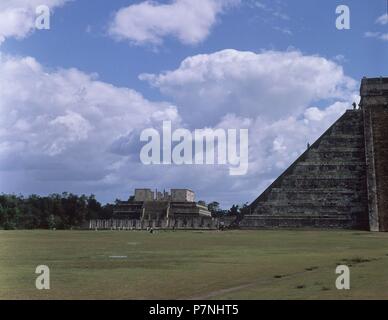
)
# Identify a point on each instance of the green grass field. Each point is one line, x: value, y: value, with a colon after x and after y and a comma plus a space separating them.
x: 193, y: 264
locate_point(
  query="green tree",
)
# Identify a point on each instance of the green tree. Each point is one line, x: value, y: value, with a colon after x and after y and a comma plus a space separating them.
x: 213, y: 207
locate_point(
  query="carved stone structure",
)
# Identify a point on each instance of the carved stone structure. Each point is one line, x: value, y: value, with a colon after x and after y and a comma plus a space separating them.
x: 147, y: 209
x: 341, y: 181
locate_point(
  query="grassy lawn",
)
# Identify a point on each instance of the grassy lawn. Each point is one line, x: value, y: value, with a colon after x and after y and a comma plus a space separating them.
x: 185, y: 265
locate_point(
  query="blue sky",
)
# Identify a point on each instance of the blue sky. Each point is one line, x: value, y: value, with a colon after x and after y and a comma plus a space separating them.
x: 312, y: 23
x: 44, y: 160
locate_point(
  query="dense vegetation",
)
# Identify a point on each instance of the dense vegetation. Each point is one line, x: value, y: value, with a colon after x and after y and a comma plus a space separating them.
x: 61, y: 211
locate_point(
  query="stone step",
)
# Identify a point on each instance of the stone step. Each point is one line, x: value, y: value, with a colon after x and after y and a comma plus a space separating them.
x: 327, y: 175
x: 318, y: 211
x: 327, y: 208
x: 333, y: 149
x: 294, y: 197
x: 316, y: 169
x: 316, y: 183
x: 309, y: 191
x: 311, y: 162
x: 352, y: 138
x: 335, y: 155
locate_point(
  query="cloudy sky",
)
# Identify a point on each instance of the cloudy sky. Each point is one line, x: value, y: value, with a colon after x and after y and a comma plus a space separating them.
x: 73, y: 99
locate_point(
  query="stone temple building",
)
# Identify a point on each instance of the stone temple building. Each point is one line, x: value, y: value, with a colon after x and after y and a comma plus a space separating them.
x: 341, y: 181
x: 160, y: 210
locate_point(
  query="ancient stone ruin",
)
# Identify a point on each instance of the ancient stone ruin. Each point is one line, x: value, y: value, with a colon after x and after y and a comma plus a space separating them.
x: 341, y: 181
x: 159, y: 210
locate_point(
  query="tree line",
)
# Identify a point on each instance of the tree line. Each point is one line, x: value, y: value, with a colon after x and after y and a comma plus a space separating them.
x: 68, y: 211
x: 60, y: 211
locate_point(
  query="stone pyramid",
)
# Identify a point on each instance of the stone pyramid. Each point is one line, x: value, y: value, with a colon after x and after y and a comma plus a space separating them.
x: 341, y: 181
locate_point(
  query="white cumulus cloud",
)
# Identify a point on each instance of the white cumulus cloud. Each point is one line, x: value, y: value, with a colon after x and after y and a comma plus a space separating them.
x: 149, y: 22
x: 270, y: 84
